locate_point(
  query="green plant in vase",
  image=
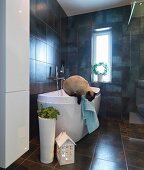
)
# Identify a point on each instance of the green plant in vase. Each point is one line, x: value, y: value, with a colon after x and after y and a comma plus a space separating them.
x: 47, y: 122
x: 48, y: 112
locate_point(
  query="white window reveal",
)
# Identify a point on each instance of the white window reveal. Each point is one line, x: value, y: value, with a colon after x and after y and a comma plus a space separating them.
x: 102, y: 52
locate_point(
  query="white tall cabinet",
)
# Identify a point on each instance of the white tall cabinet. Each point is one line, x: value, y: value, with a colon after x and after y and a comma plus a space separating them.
x: 14, y: 80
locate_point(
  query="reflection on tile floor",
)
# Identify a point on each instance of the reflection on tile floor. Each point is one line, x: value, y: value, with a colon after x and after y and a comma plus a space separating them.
x: 108, y: 148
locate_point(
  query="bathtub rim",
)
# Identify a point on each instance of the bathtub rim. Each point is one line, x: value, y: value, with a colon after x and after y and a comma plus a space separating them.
x: 47, y: 93
x: 70, y: 100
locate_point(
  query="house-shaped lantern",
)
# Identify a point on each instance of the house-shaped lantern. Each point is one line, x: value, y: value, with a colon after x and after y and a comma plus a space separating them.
x: 65, y: 149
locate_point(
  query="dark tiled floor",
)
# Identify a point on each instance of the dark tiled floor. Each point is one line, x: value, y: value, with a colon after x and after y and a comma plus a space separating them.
x: 108, y: 148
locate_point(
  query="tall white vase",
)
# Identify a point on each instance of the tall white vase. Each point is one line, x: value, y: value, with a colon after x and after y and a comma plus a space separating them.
x: 100, y: 77
x: 47, y: 139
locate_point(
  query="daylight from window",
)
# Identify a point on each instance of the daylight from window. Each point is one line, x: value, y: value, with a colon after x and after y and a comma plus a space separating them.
x: 102, y: 51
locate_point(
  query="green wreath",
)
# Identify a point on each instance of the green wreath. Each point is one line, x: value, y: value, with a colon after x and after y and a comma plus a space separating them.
x: 96, y: 66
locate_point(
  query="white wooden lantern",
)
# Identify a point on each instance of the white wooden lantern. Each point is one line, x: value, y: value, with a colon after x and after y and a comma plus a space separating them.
x: 65, y: 149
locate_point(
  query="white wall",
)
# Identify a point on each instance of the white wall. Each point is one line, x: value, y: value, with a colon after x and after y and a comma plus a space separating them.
x: 14, y: 80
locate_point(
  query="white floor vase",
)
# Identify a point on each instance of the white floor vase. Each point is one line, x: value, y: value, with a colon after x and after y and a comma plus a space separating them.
x: 47, y: 139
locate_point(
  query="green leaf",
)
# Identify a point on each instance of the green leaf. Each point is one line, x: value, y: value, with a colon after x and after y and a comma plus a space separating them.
x: 48, y: 112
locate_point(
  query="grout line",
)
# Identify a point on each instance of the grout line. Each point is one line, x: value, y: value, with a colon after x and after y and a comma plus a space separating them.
x: 20, y: 164
x: 55, y: 166
x: 39, y: 163
x: 84, y: 155
x: 32, y: 153
x: 109, y: 160
x: 35, y: 161
x: 94, y: 150
x: 34, y: 143
x: 26, y: 158
x: 39, y: 18
x: 140, y: 168
x: 123, y: 148
x: 134, y: 151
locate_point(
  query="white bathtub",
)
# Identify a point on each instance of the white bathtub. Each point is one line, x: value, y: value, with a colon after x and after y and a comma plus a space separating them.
x: 70, y: 118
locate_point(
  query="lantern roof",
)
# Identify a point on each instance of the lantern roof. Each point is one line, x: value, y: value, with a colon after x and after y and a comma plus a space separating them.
x: 62, y: 138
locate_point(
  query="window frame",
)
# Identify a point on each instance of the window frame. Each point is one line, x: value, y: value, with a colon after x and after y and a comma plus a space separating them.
x: 98, y: 32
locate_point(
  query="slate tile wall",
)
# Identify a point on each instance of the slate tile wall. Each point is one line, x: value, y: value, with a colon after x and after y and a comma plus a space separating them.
x: 46, y: 38
x: 78, y: 59
x: 137, y: 57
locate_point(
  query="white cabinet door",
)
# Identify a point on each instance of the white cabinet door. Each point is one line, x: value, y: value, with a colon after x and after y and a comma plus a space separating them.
x: 17, y: 125
x: 17, y: 45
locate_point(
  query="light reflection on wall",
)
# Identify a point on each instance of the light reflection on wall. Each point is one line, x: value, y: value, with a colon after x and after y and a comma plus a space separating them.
x: 41, y: 6
x: 41, y: 51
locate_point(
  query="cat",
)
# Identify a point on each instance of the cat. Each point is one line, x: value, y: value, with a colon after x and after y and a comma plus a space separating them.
x: 78, y: 86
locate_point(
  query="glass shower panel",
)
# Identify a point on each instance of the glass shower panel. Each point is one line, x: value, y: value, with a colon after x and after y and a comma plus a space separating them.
x: 135, y: 85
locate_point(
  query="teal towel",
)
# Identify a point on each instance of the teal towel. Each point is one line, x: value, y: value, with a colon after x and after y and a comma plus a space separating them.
x: 89, y: 114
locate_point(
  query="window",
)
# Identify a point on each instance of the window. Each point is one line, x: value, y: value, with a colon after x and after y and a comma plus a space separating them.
x: 102, y: 50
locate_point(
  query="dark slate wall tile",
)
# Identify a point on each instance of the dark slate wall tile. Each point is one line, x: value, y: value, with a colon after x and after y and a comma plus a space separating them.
x: 57, y: 58
x: 33, y: 27
x: 141, y: 42
x: 32, y: 47
x: 46, y: 12
x: 64, y: 31
x: 103, y: 107
x: 72, y: 59
x: 84, y: 20
x: 72, y: 47
x: 45, y: 48
x: 73, y: 70
x: 142, y: 25
x: 32, y: 6
x: 52, y: 37
x: 40, y: 29
x: 33, y: 116
x: 113, y: 90
x: 85, y: 72
x: 57, y: 21
x: 117, y: 61
x: 141, y: 66
x: 50, y: 54
x: 135, y: 26
x: 72, y: 36
x: 116, y: 76
x: 49, y: 35
x: 114, y: 15
x: 49, y: 72
x: 125, y: 111
x: 84, y: 53
x: 126, y: 51
x: 53, y: 71
x: 32, y: 70
x: 84, y: 34
x: 72, y: 22
x: 99, y: 18
x: 40, y: 71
